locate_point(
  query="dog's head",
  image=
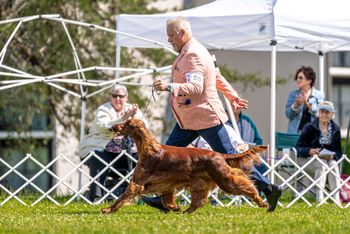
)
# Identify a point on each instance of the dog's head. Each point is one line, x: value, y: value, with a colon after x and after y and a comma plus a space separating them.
x: 130, y: 127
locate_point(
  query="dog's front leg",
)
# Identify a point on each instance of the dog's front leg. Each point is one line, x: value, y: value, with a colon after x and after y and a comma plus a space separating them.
x: 132, y: 190
x: 198, y: 199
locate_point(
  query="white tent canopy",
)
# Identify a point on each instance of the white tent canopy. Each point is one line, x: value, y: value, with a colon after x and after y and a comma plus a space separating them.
x: 296, y: 25
x: 312, y: 25
x: 223, y: 24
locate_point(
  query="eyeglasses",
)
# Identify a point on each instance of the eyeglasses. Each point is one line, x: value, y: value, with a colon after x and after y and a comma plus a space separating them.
x: 300, y: 78
x: 118, y: 96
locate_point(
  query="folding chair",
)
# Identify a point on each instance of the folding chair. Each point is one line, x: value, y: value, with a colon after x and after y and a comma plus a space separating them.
x: 285, y: 144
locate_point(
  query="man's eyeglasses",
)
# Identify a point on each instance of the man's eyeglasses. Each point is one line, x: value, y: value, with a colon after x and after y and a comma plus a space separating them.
x: 118, y: 96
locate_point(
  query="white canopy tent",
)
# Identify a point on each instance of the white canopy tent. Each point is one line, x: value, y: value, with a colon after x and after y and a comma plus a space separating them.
x: 258, y: 25
x: 249, y: 25
x: 315, y: 26
x: 223, y: 24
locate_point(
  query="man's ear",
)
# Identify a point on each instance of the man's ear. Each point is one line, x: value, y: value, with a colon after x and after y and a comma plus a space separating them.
x: 182, y: 31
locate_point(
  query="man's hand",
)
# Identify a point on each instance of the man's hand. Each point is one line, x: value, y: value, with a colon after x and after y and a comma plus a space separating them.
x: 239, y: 103
x: 160, y: 85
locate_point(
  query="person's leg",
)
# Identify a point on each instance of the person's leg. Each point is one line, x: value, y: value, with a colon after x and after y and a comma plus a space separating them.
x: 96, y: 166
x: 218, y: 139
x: 320, y: 173
x: 181, y: 137
x: 302, y: 180
x: 262, y: 168
x: 334, y: 180
x: 123, y: 165
x: 261, y: 182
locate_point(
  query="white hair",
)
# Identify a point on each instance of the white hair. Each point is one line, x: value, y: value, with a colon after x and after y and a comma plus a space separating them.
x: 179, y: 23
x: 118, y: 87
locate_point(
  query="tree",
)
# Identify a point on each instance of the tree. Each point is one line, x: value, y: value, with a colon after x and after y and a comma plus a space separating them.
x: 41, y: 47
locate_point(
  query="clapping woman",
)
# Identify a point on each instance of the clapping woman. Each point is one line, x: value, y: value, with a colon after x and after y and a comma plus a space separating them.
x: 302, y: 103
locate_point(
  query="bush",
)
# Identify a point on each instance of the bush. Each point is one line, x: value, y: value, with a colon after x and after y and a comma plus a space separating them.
x: 346, y: 165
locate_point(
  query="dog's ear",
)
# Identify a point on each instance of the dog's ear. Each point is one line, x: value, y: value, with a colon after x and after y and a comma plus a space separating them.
x: 117, y: 128
x: 260, y: 148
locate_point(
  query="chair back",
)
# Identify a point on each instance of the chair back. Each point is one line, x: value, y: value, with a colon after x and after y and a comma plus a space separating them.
x: 286, y: 140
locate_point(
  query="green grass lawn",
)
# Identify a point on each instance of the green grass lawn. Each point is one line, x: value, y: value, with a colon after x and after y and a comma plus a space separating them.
x: 46, y: 217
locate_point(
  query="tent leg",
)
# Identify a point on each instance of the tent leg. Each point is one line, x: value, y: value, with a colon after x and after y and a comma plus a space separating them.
x: 273, y: 108
x: 321, y: 71
x: 82, y: 133
x: 231, y: 115
x: 117, y: 61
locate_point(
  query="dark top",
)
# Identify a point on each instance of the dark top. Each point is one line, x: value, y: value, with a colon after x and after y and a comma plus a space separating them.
x: 310, y: 138
x: 305, y: 118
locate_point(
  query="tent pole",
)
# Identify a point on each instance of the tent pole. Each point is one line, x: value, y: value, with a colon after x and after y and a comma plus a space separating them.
x: 117, y: 61
x: 321, y: 72
x: 273, y: 107
x: 83, y: 89
x: 231, y: 115
x: 117, y: 55
x: 10, y: 38
x: 82, y: 131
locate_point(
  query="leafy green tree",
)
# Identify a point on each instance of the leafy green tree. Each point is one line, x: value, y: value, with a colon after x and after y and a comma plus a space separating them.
x: 41, y: 47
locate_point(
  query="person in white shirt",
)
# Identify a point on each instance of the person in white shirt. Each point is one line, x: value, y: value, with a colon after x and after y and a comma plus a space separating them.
x: 102, y: 141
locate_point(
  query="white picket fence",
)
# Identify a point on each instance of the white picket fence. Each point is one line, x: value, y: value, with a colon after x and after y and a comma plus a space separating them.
x: 285, y: 170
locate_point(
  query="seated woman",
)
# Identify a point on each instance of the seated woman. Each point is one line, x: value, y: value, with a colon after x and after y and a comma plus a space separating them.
x: 322, y: 133
x: 101, y: 138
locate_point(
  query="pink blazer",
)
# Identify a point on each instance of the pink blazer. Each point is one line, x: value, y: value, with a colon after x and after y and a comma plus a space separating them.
x: 197, y: 105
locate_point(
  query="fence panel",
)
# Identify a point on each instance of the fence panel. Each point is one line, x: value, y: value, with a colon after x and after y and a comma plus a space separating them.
x: 286, y: 171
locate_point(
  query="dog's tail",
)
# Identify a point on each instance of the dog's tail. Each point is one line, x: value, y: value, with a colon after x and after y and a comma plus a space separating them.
x: 246, y: 159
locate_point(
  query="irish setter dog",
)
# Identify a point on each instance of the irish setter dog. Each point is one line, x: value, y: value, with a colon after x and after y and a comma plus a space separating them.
x: 162, y: 169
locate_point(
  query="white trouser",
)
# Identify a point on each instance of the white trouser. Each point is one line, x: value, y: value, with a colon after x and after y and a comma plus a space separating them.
x: 319, y: 171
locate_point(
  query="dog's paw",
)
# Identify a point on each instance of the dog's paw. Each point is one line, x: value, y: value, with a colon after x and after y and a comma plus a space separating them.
x: 175, y: 208
x: 106, y: 210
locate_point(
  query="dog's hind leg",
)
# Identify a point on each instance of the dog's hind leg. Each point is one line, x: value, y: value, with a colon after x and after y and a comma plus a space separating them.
x: 132, y: 191
x: 234, y: 181
x: 241, y: 185
x: 168, y: 200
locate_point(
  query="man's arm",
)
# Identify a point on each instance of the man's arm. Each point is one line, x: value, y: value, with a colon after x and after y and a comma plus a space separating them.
x: 193, y: 77
x: 226, y: 89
